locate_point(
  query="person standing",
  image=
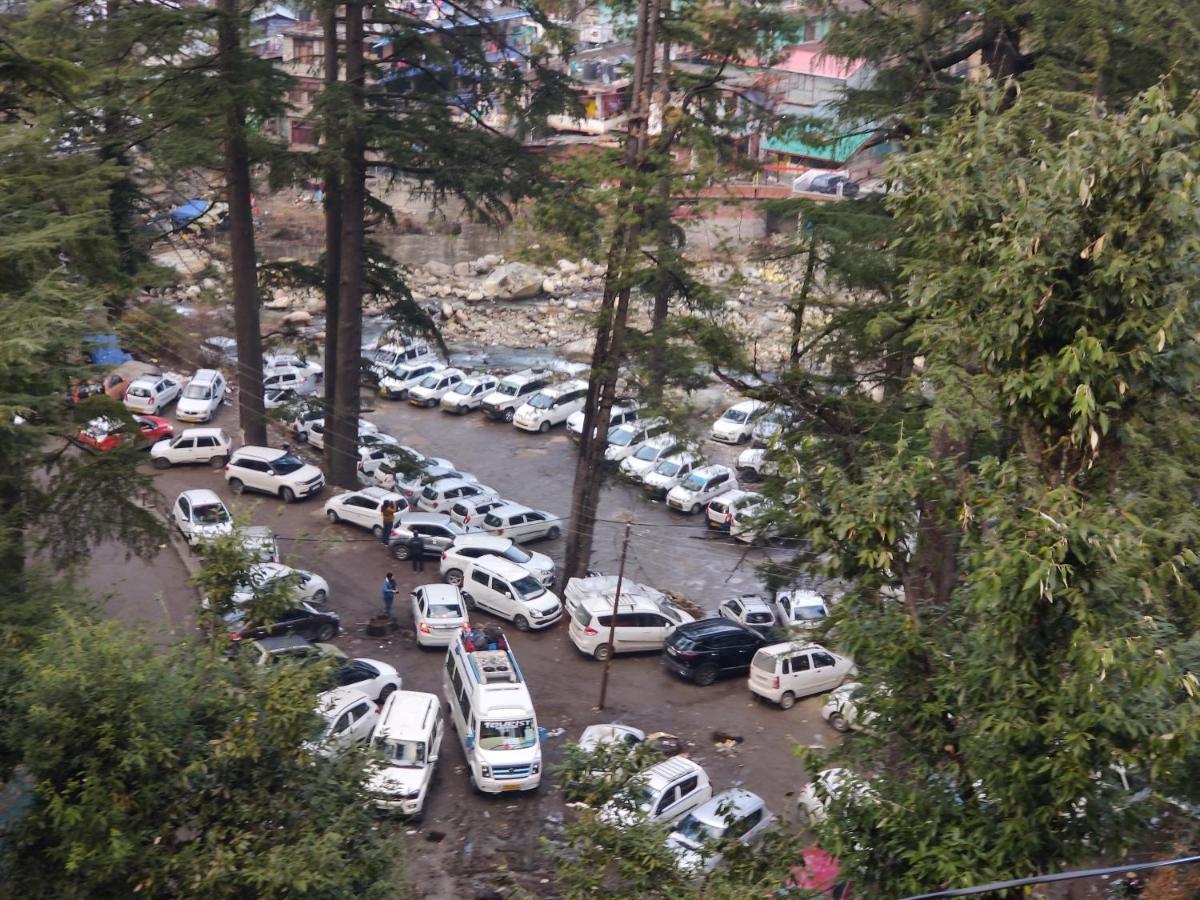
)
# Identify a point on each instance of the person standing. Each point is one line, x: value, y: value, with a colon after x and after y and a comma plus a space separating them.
x: 388, y: 511
x: 416, y: 552
x: 389, y: 594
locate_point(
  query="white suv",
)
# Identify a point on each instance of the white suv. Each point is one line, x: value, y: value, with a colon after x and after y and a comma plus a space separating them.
x: 272, y: 471
x: 202, y: 397
x: 551, y: 406
x: 625, y: 440
x: 408, y: 737
x: 693, y: 493
x: 468, y: 394
x: 395, y: 383
x: 522, y: 523
x: 662, y: 793
x: 150, y: 393
x: 621, y: 413
x: 511, y: 392
x: 648, y: 456
x: 667, y: 473
x: 434, y: 386
x: 211, y: 446
x: 642, y: 624
x: 460, y: 556
x: 511, y: 592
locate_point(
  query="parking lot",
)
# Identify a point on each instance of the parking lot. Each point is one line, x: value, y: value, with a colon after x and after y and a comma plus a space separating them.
x: 464, y: 832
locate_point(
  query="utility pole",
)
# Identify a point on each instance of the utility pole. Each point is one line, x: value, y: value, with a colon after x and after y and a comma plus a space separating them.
x: 612, y: 623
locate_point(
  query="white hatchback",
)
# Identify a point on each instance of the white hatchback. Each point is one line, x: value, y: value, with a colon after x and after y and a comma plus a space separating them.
x: 648, y: 456
x: 668, y: 473
x: 693, y: 493
x: 551, y: 406
x: 522, y: 523
x: 363, y: 508
x: 313, y: 432
x: 149, y: 394
x: 200, y: 514
x: 348, y: 716
x: 433, y: 387
x: 736, y: 426
x: 468, y: 394
x: 439, y: 614
x: 210, y: 446
x: 783, y: 672
x: 441, y: 494
x: 202, y: 397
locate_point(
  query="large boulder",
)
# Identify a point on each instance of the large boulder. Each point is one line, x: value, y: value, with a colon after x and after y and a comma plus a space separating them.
x: 567, y: 267
x: 513, y: 281
x: 578, y: 350
x: 438, y: 269
x: 299, y: 317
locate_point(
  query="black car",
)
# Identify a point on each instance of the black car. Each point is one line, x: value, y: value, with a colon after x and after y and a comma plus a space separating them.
x: 306, y: 620
x: 709, y: 649
x: 828, y: 184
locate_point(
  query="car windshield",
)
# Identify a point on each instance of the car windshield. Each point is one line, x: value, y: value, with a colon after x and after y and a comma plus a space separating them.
x: 541, y: 401
x: 507, y: 734
x: 445, y: 611
x: 648, y: 453
x: 463, y: 387
x: 430, y: 381
x: 696, y: 832
x: 213, y: 514
x: 286, y: 464
x: 508, y: 390
x: 734, y: 415
x: 137, y: 391
x: 809, y: 612
x: 668, y: 468
x: 197, y: 392
x: 693, y: 483
x: 409, y: 754
x: 528, y: 587
x: 621, y: 437
x: 516, y: 554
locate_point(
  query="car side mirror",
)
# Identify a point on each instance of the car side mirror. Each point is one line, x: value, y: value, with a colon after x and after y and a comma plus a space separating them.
x: 470, y: 742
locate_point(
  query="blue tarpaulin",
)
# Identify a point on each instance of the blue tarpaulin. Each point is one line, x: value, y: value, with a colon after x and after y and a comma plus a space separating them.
x: 189, y: 212
x: 104, y: 350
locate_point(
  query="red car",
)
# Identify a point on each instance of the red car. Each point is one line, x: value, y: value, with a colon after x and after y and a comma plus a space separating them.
x: 106, y: 434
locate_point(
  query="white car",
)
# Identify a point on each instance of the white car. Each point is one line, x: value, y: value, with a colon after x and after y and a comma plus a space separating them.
x: 264, y: 577
x: 736, y: 425
x: 649, y: 455
x: 749, y: 610
x: 800, y: 609
x: 551, y: 406
x: 313, y: 432
x: 733, y: 815
x: 468, y: 394
x: 210, y: 446
x: 200, y: 514
x: 774, y: 421
x: 289, y: 378
x: 395, y: 383
x: 723, y: 512
x: 466, y: 510
x: 271, y: 471
x: 624, y: 440
x: 389, y: 473
x: 280, y: 398
x: 202, y: 397
x: 643, y: 622
x: 610, y: 735
x: 784, y: 672
x: 511, y: 592
x: 433, y: 387
x: 753, y: 465
x: 259, y: 541
x: 408, y: 737
x: 439, y: 614
x: 458, y: 558
x: 663, y: 793
x: 441, y: 494
x: 841, y: 708
x: 397, y: 350
x: 814, y: 799
x: 667, y: 473
x: 620, y: 414
x: 412, y: 487
x: 522, y: 523
x: 388, y: 452
x: 348, y: 717
x: 704, y: 484
x: 285, y: 359
x: 151, y: 393
x: 363, y: 508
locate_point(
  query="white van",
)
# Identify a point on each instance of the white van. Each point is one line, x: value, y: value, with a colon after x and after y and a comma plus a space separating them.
x: 409, y: 737
x: 289, y: 378
x: 782, y: 672
x: 202, y: 397
x: 395, y: 353
x: 512, y: 391
x: 551, y: 406
x: 511, y: 592
x: 493, y: 714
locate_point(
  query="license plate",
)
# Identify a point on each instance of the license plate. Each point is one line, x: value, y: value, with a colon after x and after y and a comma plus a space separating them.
x: 672, y: 651
x: 510, y: 787
x: 383, y: 392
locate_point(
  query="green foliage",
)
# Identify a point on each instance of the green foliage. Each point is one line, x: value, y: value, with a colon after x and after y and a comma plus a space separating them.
x: 172, y: 775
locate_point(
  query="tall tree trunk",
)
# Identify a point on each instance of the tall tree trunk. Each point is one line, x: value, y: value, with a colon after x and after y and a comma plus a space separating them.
x: 122, y: 193
x: 241, y: 232
x: 614, y: 306
x: 342, y: 419
x: 665, y: 284
x: 799, y: 304
x: 333, y: 212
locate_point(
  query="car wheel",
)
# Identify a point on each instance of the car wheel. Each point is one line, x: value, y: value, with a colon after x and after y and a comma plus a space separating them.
x: 838, y: 722
x: 325, y: 633
x: 400, y: 550
x: 602, y: 652
x: 521, y: 623
x: 544, y: 427
x: 332, y: 516
x: 694, y: 509
x: 706, y: 675
x: 235, y: 485
x: 787, y: 701
x: 509, y: 414
x: 320, y: 597
x: 554, y: 533
x: 161, y: 462
x: 742, y: 438
x: 302, y: 437
x: 377, y: 530
x: 288, y: 495
x: 470, y: 601
x: 218, y: 462
x: 454, y: 577
x: 386, y: 692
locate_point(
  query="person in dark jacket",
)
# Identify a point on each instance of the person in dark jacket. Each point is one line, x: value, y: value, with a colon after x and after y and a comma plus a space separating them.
x: 416, y: 552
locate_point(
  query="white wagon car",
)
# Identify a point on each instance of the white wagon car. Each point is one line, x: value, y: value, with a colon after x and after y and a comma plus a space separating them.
x: 522, y: 523
x: 149, y: 394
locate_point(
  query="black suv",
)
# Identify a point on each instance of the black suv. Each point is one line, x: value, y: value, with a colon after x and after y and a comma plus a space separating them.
x: 706, y: 650
x: 305, y: 620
